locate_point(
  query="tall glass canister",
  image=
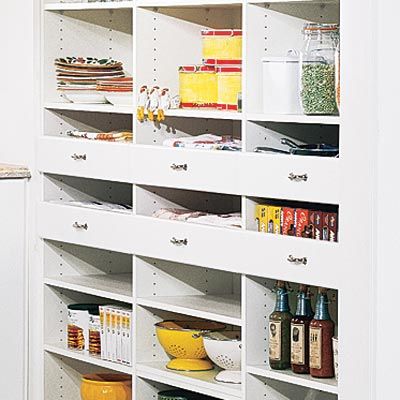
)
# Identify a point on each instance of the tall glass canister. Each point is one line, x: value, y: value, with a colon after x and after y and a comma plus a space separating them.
x: 318, y: 69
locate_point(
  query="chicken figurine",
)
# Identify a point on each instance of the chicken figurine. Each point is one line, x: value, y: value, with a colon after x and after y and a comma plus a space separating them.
x: 142, y: 102
x: 165, y: 103
x: 153, y: 102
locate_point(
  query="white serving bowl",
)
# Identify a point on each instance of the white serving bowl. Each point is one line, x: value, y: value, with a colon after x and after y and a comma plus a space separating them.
x: 119, y: 99
x: 225, y: 350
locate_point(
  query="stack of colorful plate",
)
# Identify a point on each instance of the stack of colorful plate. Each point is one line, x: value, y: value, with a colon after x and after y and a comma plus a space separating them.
x: 77, y: 77
x: 117, y: 91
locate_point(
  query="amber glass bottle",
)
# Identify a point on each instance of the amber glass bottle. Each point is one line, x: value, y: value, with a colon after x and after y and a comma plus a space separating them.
x: 279, y: 330
x: 300, y: 332
x: 322, y: 329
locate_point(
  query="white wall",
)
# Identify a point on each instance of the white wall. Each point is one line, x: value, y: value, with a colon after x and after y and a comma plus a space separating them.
x: 18, y: 81
x: 388, y: 235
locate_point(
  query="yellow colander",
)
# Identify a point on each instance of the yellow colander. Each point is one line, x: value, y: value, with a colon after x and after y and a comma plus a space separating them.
x: 183, y: 340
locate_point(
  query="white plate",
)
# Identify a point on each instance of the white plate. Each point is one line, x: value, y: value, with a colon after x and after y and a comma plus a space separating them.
x: 119, y: 99
x: 85, y: 97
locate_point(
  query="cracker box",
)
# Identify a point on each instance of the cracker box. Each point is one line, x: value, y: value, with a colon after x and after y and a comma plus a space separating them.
x: 261, y: 217
x: 332, y: 227
x: 274, y: 219
x: 303, y: 228
x: 288, y: 221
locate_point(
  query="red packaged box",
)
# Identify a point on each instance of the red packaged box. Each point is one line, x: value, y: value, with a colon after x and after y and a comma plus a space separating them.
x: 316, y: 222
x: 325, y: 226
x: 332, y: 227
x: 303, y: 226
x: 288, y: 221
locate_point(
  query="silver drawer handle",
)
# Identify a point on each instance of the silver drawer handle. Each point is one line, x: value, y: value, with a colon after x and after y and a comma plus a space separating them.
x: 297, y: 261
x: 77, y: 157
x: 298, y: 178
x: 179, y: 167
x: 77, y: 225
x: 179, y: 242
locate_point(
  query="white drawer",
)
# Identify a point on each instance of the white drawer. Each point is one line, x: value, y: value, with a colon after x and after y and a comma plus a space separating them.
x: 206, y: 246
x: 241, y: 251
x: 94, y: 228
x: 213, y: 171
x: 84, y: 158
x: 313, y: 179
x: 267, y: 255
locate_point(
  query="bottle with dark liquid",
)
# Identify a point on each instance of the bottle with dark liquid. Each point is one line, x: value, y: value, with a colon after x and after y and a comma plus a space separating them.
x: 279, y: 330
x: 322, y: 329
x: 300, y: 332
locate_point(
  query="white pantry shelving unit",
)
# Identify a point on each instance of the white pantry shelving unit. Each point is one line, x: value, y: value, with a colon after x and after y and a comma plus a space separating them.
x: 225, y: 275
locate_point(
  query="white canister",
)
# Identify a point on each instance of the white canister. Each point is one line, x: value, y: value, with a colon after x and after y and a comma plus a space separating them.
x: 281, y: 81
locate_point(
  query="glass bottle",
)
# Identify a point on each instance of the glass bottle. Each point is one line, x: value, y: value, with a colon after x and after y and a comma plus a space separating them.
x: 322, y: 330
x: 317, y: 73
x: 279, y: 330
x: 337, y: 76
x: 300, y: 332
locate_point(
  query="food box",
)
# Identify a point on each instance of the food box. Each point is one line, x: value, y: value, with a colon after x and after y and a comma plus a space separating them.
x: 316, y: 222
x: 303, y: 226
x: 261, y: 217
x: 333, y: 227
x: 288, y: 221
x: 78, y: 326
x: 198, y: 86
x: 274, y: 219
x: 222, y: 44
x: 325, y: 226
x: 126, y: 337
x: 103, y: 329
x: 94, y: 334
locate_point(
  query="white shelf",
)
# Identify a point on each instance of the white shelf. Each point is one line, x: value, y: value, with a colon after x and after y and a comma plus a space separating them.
x: 89, y: 6
x: 325, y: 385
x: 294, y: 1
x: 100, y: 108
x: 75, y: 355
x: 116, y: 287
x: 199, y: 113
x: 225, y: 309
x: 201, y: 382
x: 188, y: 3
x: 297, y: 119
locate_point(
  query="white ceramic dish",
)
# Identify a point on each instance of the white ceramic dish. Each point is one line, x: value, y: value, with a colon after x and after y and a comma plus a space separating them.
x: 119, y: 99
x: 225, y: 350
x: 84, y: 97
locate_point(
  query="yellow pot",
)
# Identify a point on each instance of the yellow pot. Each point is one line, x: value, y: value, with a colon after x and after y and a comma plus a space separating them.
x: 222, y: 44
x: 197, y: 86
x: 106, y: 386
x: 184, y: 341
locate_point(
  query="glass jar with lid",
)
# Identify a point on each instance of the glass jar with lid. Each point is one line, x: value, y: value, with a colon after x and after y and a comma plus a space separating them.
x: 318, y: 95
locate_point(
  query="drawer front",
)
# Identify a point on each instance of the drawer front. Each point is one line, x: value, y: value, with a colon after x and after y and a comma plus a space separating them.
x: 301, y: 260
x: 241, y: 251
x: 100, y: 229
x: 84, y: 158
x: 313, y: 179
x: 200, y: 245
x: 214, y: 171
